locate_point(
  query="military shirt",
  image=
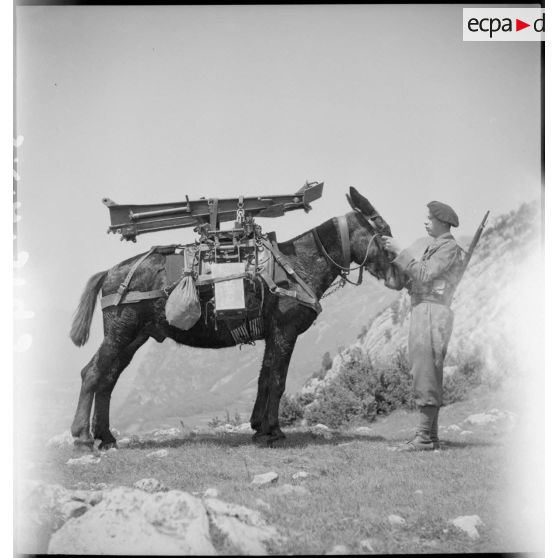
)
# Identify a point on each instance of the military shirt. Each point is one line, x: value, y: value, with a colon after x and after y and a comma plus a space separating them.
x: 435, y: 276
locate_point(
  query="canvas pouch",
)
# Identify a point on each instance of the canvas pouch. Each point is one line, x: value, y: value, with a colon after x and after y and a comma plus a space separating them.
x: 183, y: 308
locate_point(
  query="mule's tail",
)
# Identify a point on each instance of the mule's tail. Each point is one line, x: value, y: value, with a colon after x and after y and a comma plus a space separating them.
x: 83, y: 315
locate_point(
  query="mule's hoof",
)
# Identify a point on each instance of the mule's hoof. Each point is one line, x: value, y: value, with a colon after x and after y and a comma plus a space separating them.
x: 83, y: 446
x: 260, y: 434
x: 108, y: 445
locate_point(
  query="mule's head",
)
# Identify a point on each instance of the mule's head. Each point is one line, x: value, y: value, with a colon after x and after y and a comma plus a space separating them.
x: 367, y: 227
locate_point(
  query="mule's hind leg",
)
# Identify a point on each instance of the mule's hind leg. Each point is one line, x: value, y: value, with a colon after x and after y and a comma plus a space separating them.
x: 121, y: 329
x: 89, y: 379
x: 100, y: 422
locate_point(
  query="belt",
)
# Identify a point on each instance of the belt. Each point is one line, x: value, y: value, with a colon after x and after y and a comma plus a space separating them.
x: 430, y: 297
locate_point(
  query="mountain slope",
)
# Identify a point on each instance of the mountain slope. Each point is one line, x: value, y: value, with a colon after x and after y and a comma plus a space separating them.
x: 498, y: 308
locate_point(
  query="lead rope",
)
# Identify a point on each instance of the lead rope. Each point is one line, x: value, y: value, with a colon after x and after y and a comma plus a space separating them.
x: 343, y: 280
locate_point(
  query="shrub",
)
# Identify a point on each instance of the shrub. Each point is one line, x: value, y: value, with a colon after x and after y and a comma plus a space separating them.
x: 362, y: 390
x: 291, y: 409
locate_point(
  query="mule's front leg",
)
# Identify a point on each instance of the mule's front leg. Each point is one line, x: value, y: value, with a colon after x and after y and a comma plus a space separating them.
x: 260, y: 405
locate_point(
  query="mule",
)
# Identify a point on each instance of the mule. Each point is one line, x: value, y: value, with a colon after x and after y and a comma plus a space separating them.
x: 128, y: 326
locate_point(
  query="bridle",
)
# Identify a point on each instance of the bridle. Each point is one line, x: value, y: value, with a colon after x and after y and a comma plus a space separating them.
x: 342, y: 227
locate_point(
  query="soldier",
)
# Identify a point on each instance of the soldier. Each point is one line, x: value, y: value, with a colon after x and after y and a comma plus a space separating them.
x: 431, y: 282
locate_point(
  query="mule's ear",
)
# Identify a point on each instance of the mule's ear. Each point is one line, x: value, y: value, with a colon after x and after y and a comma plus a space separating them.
x: 360, y: 202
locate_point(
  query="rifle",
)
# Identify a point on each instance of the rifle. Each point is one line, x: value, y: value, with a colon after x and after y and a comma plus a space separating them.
x: 473, y: 245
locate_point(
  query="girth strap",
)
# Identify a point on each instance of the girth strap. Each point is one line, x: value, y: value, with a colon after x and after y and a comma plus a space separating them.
x: 123, y: 287
x: 131, y: 297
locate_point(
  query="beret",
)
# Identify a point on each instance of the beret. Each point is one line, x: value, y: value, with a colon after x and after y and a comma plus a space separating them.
x: 444, y: 213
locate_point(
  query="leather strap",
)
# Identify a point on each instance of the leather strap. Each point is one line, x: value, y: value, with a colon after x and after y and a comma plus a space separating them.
x: 343, y: 227
x: 123, y: 287
x: 131, y: 297
x: 290, y: 271
x: 211, y: 280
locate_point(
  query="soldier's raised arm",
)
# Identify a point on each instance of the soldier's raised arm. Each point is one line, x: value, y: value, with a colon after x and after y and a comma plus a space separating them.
x: 429, y: 269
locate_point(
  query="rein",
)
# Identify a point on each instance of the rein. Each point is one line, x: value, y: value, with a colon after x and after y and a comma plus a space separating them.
x: 341, y: 225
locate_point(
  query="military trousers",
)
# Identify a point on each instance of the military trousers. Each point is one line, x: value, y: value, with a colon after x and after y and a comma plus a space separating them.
x: 429, y: 335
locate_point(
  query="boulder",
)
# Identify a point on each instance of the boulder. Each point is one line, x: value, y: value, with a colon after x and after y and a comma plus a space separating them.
x: 468, y: 524
x: 158, y: 453
x: 265, y: 478
x: 211, y: 493
x: 321, y: 430
x: 338, y: 549
x: 244, y: 528
x: 150, y: 485
x: 466, y: 432
x: 43, y: 508
x: 364, y: 431
x: 61, y: 440
x: 129, y: 521
x: 88, y: 459
x: 167, y: 433
x: 396, y: 520
x: 453, y: 428
x: 367, y: 546
x: 300, y: 475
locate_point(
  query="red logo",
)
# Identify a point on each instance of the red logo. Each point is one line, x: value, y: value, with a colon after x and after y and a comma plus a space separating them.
x: 519, y: 24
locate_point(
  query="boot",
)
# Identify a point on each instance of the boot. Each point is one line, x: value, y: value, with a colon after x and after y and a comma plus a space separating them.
x: 423, y: 439
x: 434, y: 430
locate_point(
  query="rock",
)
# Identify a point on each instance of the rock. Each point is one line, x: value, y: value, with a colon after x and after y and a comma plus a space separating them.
x: 288, y: 489
x: 129, y: 521
x: 224, y: 428
x: 367, y: 546
x: 211, y: 493
x: 465, y: 432
x: 244, y: 427
x: 321, y: 430
x: 61, y: 440
x: 453, y: 428
x: 158, y: 453
x: 338, y: 549
x: 123, y: 442
x: 364, y: 431
x: 265, y: 478
x: 243, y: 527
x: 43, y: 508
x: 83, y: 460
x: 468, y: 524
x: 150, y: 485
x: 168, y: 433
x: 262, y: 504
x: 300, y: 475
x: 396, y: 520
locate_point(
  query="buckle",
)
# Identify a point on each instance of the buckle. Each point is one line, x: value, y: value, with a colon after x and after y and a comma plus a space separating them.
x: 122, y: 288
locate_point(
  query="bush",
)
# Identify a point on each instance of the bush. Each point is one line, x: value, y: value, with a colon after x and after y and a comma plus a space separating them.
x: 291, y: 409
x: 466, y: 377
x: 362, y: 390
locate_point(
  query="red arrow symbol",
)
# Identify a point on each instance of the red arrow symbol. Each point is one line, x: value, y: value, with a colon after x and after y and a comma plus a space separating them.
x: 519, y: 25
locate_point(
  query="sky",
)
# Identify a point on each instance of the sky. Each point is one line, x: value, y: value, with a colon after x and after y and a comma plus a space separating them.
x: 145, y: 104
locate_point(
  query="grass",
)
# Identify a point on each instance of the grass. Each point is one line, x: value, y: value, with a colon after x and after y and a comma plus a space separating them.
x: 355, y: 482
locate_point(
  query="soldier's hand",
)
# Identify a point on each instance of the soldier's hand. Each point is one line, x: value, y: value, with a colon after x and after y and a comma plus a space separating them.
x: 390, y: 244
